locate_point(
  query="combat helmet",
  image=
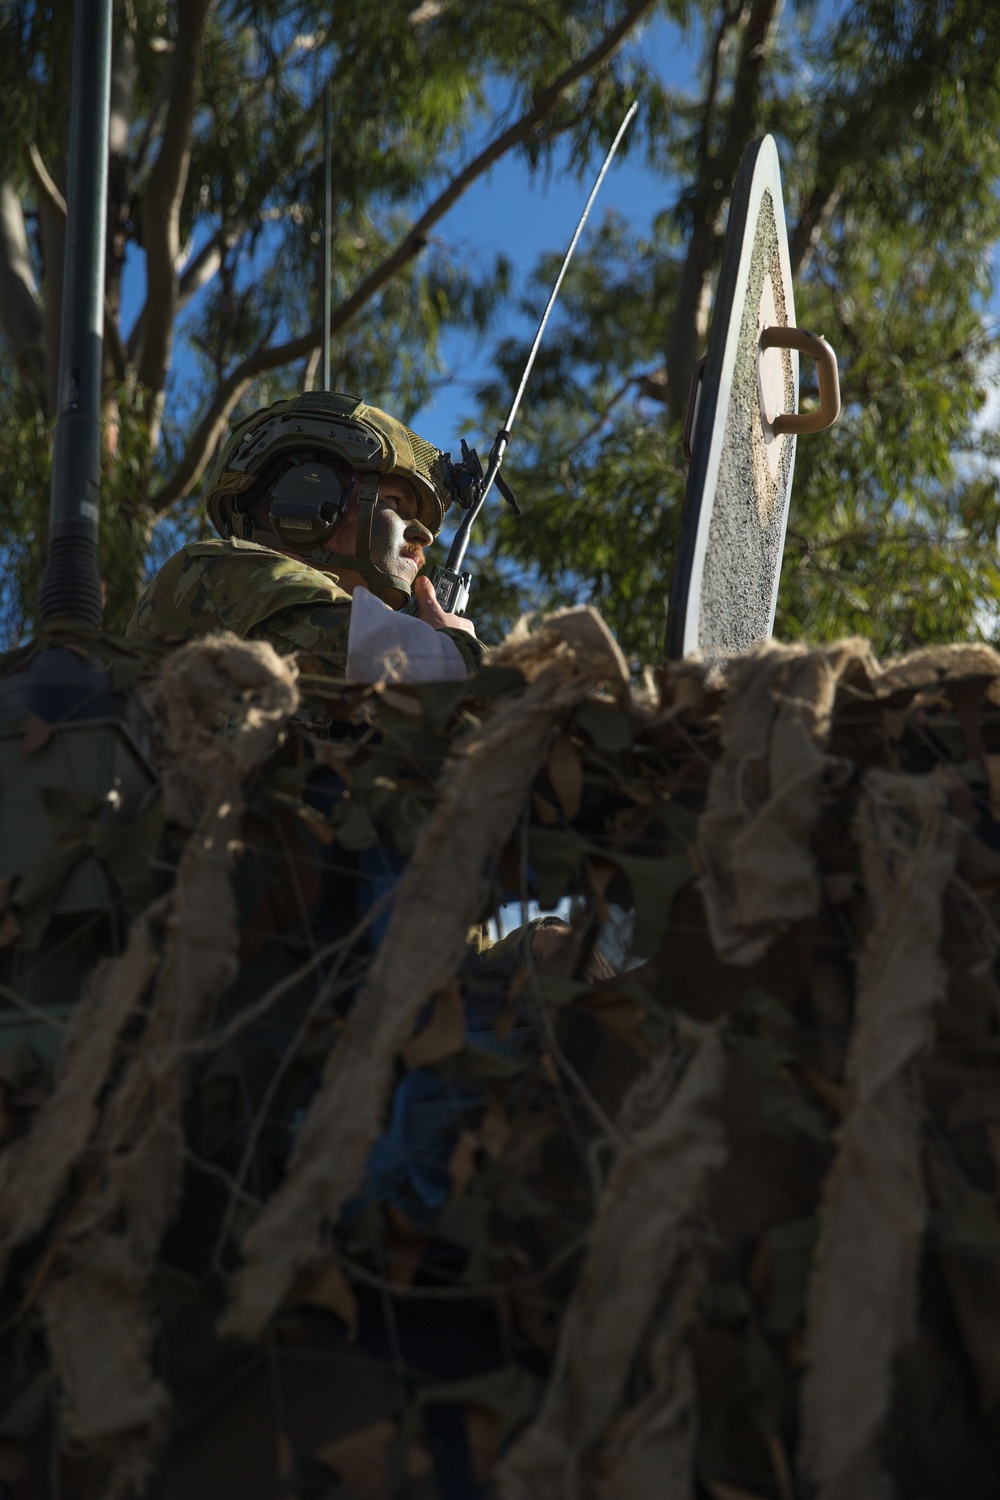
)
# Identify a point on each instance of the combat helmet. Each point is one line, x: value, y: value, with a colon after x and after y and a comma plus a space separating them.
x: 308, y: 497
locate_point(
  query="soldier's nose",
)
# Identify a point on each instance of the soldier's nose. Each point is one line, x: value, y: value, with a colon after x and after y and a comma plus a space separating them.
x: 416, y: 531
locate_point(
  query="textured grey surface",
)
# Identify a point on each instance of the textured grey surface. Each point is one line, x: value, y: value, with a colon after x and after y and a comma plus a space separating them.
x: 747, y: 525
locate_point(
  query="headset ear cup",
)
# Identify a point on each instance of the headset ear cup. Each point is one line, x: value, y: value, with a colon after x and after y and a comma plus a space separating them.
x: 299, y: 538
x: 307, y: 503
x: 302, y: 535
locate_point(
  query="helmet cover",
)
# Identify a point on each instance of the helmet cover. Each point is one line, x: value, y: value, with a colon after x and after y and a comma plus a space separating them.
x: 365, y: 437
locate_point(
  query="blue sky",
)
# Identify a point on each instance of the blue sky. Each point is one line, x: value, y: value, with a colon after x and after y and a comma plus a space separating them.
x: 506, y: 211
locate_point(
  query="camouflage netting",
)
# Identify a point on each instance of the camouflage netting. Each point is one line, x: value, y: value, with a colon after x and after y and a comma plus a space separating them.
x: 326, y: 1197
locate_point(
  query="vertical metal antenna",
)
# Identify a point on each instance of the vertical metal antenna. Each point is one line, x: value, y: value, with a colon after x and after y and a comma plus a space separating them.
x: 327, y: 237
x: 516, y: 403
x: 460, y: 541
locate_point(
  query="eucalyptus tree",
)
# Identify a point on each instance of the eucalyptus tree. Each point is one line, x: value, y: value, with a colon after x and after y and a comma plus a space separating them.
x: 887, y: 117
x: 214, y: 205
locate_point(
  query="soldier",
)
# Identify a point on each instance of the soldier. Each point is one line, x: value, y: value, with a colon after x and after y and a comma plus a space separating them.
x: 317, y: 501
x: 324, y: 507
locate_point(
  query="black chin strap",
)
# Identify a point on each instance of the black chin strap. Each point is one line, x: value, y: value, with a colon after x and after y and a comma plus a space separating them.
x: 367, y: 501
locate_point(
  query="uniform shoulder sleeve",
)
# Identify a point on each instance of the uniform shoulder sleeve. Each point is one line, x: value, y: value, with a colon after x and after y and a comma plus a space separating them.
x: 250, y: 586
x: 212, y: 586
x: 316, y: 633
x: 176, y: 604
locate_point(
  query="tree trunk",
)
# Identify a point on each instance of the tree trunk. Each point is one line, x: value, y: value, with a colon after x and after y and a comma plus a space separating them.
x: 165, y: 194
x: 123, y: 78
x: 717, y: 172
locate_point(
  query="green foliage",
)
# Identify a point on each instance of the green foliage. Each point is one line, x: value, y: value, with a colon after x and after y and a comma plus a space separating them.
x: 23, y: 505
x: 893, y: 529
x: 414, y: 92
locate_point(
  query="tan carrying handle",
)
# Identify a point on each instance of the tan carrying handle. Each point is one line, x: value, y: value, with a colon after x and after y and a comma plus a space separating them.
x: 826, y: 371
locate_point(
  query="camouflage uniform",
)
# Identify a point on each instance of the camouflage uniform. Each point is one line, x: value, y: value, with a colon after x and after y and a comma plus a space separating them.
x: 261, y: 595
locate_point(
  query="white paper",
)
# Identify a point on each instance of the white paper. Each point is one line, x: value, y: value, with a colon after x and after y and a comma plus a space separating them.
x: 383, y: 645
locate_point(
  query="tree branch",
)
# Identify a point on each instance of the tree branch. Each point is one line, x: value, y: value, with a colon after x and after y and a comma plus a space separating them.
x: 594, y: 427
x: 310, y: 368
x: 819, y: 208
x: 196, y: 274
x: 44, y: 181
x: 213, y: 424
x: 728, y: 20
x: 156, y: 107
x: 54, y: 201
x: 205, y: 264
x: 21, y: 316
x: 52, y: 240
x: 124, y: 72
x: 163, y: 199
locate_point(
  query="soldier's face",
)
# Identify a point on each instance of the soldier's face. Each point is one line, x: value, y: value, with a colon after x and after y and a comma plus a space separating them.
x: 398, y: 538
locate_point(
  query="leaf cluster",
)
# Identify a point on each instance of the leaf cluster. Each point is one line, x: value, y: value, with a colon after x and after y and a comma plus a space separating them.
x: 415, y: 92
x: 888, y: 120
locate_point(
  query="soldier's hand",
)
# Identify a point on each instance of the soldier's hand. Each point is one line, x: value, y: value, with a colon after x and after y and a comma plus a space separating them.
x: 554, y: 950
x: 549, y: 943
x: 429, y: 610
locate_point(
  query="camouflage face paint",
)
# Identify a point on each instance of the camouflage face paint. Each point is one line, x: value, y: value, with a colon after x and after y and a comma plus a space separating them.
x: 397, y: 543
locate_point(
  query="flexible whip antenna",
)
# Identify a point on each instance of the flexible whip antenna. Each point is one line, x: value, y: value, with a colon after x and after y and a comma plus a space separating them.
x: 460, y: 542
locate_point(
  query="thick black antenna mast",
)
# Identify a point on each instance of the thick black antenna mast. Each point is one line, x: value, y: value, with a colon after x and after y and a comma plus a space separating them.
x: 71, y: 584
